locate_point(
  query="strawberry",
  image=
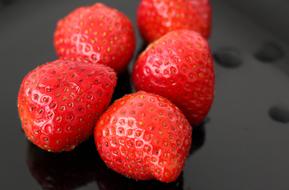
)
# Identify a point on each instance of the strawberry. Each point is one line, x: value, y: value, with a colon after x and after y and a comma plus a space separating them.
x: 144, y: 136
x: 96, y: 34
x: 179, y: 66
x: 59, y: 102
x: 156, y: 18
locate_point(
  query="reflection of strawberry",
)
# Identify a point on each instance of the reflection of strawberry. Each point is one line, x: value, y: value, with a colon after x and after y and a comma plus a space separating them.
x: 144, y: 136
x: 179, y: 66
x: 96, y: 34
x: 109, y: 180
x: 59, y: 102
x: 72, y: 170
x: 69, y: 170
x: 156, y: 18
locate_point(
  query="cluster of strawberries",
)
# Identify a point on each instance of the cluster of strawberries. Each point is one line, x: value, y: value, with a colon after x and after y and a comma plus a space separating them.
x: 144, y: 135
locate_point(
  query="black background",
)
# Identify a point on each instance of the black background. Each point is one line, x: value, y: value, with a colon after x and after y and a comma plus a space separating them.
x: 244, y: 143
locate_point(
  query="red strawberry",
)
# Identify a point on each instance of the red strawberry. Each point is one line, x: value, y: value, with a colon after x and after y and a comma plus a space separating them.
x: 179, y: 66
x: 59, y: 102
x: 144, y: 136
x: 156, y: 18
x: 96, y: 34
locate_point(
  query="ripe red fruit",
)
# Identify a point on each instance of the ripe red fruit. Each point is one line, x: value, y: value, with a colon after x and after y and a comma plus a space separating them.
x: 96, y: 34
x: 59, y: 102
x: 179, y: 66
x: 156, y: 18
x: 144, y: 136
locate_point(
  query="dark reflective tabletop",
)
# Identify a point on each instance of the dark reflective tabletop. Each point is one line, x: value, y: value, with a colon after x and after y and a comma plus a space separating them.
x: 242, y: 145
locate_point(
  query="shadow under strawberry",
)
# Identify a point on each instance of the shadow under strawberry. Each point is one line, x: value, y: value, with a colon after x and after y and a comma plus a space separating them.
x: 142, y: 47
x: 75, y: 169
x: 199, y: 136
x: 123, y: 86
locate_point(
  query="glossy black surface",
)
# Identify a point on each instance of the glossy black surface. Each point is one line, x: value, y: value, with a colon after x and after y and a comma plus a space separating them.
x: 244, y: 143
